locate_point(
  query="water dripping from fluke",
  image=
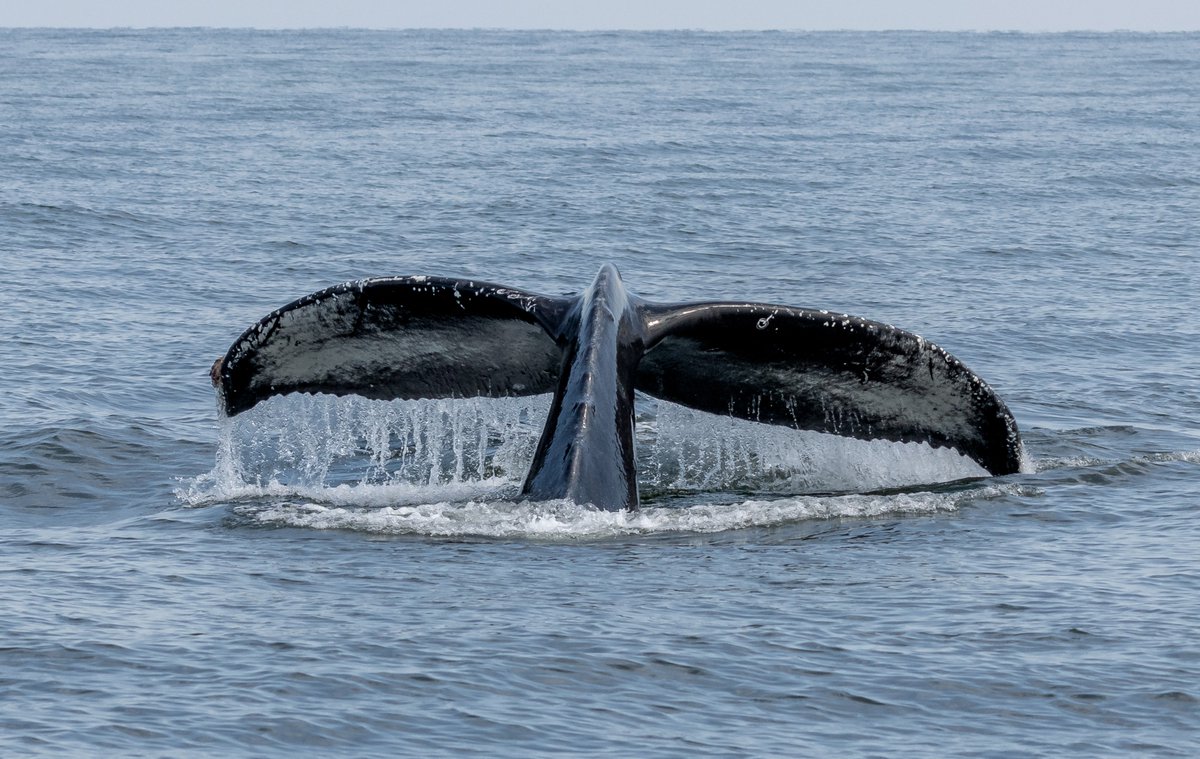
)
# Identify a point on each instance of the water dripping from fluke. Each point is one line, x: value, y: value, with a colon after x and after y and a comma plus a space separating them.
x: 454, y: 467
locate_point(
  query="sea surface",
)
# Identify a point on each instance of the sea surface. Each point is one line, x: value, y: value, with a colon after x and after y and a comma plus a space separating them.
x: 342, y: 577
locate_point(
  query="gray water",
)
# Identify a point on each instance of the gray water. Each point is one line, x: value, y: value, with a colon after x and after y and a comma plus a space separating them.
x: 344, y: 577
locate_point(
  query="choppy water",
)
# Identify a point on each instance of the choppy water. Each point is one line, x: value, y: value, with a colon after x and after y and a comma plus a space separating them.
x: 342, y: 577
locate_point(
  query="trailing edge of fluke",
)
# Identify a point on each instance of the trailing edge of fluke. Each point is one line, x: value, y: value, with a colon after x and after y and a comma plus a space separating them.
x: 432, y: 337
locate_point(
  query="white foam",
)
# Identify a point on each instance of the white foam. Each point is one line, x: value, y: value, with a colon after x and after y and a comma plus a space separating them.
x: 562, y: 520
x: 1190, y: 457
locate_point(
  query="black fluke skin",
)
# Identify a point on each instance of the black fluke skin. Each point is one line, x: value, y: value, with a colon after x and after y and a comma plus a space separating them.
x: 430, y: 337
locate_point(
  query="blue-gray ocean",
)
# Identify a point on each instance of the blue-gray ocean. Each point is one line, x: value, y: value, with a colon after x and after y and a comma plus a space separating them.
x: 342, y: 577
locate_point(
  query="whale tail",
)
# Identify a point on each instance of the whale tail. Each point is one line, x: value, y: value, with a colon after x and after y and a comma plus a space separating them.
x: 397, y: 337
x: 826, y: 372
x: 430, y: 337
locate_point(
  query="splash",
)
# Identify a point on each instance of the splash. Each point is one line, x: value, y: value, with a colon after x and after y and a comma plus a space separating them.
x: 562, y: 520
x: 455, y: 467
x: 685, y: 449
x: 409, y: 449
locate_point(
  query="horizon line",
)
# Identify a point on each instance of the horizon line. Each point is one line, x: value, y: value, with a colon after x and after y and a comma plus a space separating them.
x: 596, y: 30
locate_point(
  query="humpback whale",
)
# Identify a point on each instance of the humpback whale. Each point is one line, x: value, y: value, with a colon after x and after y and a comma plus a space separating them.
x: 432, y: 337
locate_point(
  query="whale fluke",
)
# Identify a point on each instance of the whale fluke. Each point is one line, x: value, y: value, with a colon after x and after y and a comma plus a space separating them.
x: 397, y: 337
x: 431, y: 337
x: 826, y: 372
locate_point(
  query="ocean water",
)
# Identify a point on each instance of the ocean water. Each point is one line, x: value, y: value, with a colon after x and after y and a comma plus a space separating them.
x: 344, y: 577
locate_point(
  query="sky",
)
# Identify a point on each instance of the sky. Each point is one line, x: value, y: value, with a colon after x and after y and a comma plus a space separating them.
x: 981, y: 15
